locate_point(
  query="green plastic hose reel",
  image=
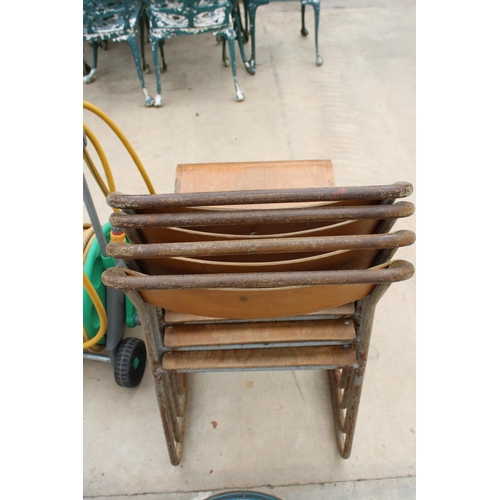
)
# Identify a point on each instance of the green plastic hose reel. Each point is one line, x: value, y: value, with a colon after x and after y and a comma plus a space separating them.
x: 94, y: 266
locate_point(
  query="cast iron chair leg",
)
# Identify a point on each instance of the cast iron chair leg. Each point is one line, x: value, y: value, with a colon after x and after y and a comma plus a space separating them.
x: 163, y: 66
x: 316, y: 6
x: 303, y: 30
x: 132, y: 42
x: 228, y: 35
x: 91, y: 76
x: 252, y: 11
x: 225, y: 59
x: 243, y: 38
x: 154, y: 46
x: 142, y: 23
x: 244, y: 31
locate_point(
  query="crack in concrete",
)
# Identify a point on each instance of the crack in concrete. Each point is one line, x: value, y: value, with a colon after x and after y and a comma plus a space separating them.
x: 256, y: 487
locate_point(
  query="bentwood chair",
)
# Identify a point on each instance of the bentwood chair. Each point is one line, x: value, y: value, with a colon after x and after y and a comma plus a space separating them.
x: 230, y: 273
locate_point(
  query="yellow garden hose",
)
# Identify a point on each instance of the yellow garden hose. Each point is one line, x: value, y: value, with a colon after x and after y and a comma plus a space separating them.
x: 93, y: 170
x: 124, y: 140
x: 102, y: 156
x: 89, y: 235
x: 88, y: 238
x: 100, y: 311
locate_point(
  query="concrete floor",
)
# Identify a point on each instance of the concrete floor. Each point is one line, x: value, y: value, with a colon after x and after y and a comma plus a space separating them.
x: 273, y: 431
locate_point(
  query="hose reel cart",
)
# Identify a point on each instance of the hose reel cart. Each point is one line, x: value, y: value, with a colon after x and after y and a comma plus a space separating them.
x: 107, y: 312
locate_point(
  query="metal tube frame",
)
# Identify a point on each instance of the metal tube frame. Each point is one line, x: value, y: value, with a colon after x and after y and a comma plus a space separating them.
x: 170, y: 387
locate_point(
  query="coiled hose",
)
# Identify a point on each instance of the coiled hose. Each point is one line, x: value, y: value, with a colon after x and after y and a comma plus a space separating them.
x: 91, y: 344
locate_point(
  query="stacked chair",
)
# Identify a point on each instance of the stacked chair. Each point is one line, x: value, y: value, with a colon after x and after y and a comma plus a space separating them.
x: 118, y: 21
x: 259, y: 266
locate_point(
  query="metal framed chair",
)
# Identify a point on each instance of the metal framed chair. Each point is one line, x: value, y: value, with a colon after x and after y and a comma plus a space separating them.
x: 168, y: 18
x: 119, y: 21
x: 305, y: 268
x: 248, y: 31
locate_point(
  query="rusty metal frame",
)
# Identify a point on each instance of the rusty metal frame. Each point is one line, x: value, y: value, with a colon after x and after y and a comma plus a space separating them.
x: 253, y: 197
x: 346, y: 384
x: 261, y: 216
x: 170, y: 387
x: 398, y: 270
x: 270, y: 245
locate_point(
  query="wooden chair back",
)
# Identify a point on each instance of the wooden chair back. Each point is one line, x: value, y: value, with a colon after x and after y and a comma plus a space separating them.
x: 280, y: 274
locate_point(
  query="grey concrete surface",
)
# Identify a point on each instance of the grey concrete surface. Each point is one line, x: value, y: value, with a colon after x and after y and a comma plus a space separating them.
x: 274, y: 430
x: 375, y: 489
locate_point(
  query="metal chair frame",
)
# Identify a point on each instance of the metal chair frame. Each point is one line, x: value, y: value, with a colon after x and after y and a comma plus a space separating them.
x: 250, y: 12
x: 118, y: 21
x: 344, y: 358
x: 168, y: 18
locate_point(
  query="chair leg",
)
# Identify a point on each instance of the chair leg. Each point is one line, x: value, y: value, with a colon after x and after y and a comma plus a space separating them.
x: 242, y: 35
x: 132, y: 42
x: 91, y: 76
x: 228, y: 35
x: 86, y: 67
x: 155, y: 44
x: 316, y: 6
x: 346, y: 383
x: 225, y: 59
x: 170, y: 387
x: 163, y: 66
x: 252, y: 12
x: 345, y: 390
x: 142, y: 27
x: 172, y: 406
x: 303, y: 30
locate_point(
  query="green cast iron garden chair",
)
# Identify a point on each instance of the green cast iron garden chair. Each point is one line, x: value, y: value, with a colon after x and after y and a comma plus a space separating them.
x: 250, y: 10
x: 168, y: 18
x: 119, y: 21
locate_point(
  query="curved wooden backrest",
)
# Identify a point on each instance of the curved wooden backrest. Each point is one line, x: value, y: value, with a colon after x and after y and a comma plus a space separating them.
x: 255, y: 230
x: 176, y: 234
x: 347, y: 259
x: 308, y: 292
x: 354, y: 252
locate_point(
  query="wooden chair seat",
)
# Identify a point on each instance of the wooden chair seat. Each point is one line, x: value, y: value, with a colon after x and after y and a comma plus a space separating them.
x: 245, y: 302
x: 173, y: 317
x: 188, y: 337
x: 260, y: 359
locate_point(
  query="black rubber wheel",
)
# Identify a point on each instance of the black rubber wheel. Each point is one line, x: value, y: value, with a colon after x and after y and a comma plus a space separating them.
x: 130, y: 361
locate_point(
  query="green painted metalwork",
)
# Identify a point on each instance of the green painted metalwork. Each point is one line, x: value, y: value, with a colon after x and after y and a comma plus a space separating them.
x: 168, y: 18
x: 119, y: 21
x: 250, y: 11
